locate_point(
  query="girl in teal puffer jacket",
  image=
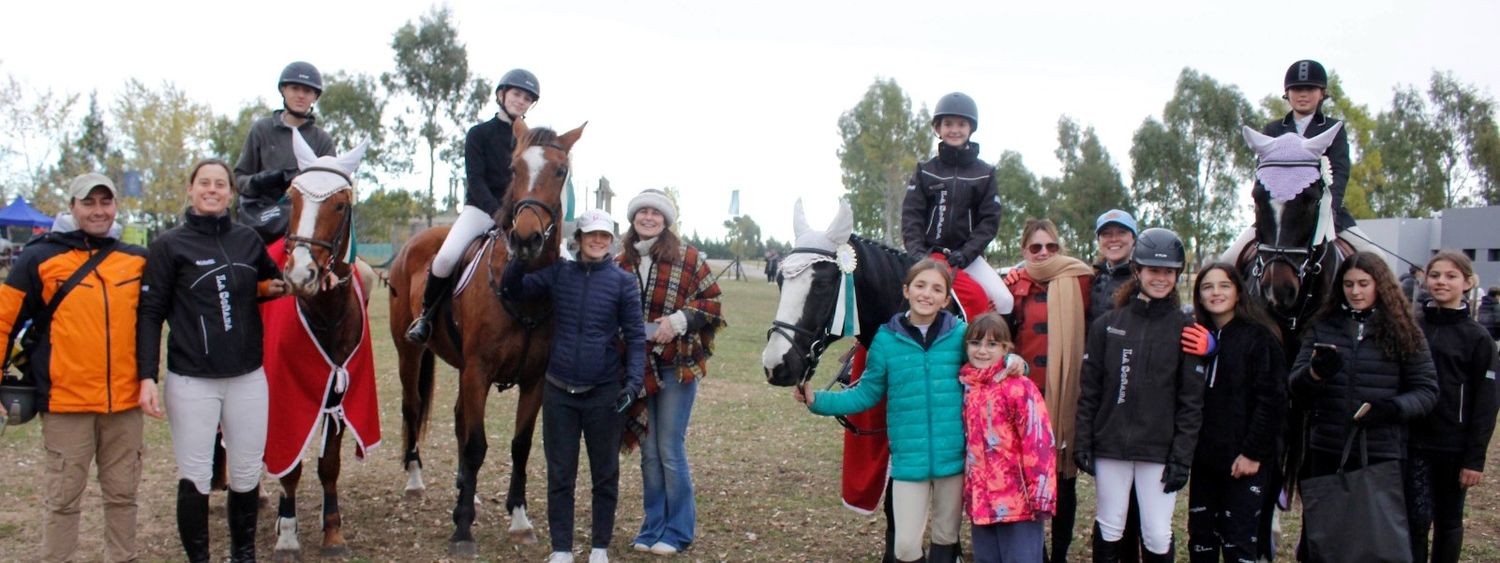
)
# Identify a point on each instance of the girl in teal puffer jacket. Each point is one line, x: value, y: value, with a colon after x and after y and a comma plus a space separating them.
x: 914, y: 363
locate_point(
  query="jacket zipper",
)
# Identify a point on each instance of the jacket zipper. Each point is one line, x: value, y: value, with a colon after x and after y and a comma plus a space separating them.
x: 1461, y: 403
x: 583, y: 298
x: 109, y: 368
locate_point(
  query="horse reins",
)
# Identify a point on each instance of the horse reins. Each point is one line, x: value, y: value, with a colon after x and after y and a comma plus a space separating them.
x: 529, y: 323
x: 820, y: 340
x: 339, y: 238
x: 1311, y: 264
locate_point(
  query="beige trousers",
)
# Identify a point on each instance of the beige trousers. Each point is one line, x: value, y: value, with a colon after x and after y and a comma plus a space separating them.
x: 75, y: 441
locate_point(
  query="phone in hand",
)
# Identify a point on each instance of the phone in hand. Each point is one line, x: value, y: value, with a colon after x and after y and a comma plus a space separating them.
x: 1325, y: 347
x: 1364, y: 409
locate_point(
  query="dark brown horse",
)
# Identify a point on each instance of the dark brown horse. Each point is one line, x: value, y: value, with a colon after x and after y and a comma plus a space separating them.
x: 492, y: 342
x: 328, y: 311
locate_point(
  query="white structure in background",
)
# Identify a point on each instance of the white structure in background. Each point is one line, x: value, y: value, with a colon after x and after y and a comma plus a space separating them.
x: 1475, y: 231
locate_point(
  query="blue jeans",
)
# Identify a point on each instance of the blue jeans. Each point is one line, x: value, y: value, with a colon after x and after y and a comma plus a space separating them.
x: 670, y: 513
x: 1016, y: 542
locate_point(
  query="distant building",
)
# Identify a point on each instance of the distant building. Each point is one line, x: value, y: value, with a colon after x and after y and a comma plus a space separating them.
x: 1475, y: 231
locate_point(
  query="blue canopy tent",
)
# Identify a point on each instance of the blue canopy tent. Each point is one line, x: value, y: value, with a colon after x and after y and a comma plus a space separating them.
x: 20, y: 214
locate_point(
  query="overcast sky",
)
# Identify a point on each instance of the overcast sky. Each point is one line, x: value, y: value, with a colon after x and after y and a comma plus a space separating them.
x: 715, y: 96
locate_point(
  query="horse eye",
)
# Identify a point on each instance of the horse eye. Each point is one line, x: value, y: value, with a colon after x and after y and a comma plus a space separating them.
x: 562, y: 171
x: 341, y: 206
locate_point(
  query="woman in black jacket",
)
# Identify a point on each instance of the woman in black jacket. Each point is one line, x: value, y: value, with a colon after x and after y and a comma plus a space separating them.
x: 203, y: 278
x: 1363, y: 347
x: 1243, y: 410
x: 1448, y: 446
x: 1141, y: 402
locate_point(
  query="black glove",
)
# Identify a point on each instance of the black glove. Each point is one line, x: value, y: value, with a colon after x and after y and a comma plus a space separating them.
x: 623, y: 401
x: 957, y: 259
x: 1326, y: 363
x: 1084, y: 460
x: 1174, y: 477
x: 1384, y: 411
x: 272, y: 184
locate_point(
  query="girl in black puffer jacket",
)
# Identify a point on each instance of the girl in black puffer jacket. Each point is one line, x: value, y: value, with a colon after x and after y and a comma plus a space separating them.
x: 1363, y: 347
x: 1448, y: 446
x: 1244, y: 407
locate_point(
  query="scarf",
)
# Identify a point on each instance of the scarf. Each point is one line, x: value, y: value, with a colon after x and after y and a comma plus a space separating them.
x: 972, y: 376
x: 1065, y: 332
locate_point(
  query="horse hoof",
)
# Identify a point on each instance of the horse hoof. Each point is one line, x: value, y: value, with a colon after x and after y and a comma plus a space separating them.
x: 523, y: 537
x: 335, y: 551
x: 463, y: 549
x: 415, y: 494
x: 286, y: 556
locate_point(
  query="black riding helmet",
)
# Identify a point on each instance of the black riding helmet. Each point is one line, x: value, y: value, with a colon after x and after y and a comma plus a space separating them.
x: 302, y: 73
x: 957, y: 104
x: 19, y: 400
x: 523, y: 79
x: 1306, y: 72
x: 1160, y: 248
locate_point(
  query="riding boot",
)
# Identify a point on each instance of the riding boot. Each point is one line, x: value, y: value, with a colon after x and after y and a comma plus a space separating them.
x: 192, y: 521
x: 1168, y: 557
x: 937, y: 553
x: 421, y: 327
x: 242, y: 517
x: 1105, y: 551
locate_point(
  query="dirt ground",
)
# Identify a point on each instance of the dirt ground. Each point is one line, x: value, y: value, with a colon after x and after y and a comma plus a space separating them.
x: 766, y: 472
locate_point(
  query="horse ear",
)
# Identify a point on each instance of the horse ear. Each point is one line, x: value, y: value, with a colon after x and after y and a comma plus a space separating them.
x: 799, y: 221
x: 1259, y: 142
x: 304, y: 152
x: 521, y: 131
x: 349, y: 161
x: 567, y: 139
x: 842, y: 225
x: 1320, y: 143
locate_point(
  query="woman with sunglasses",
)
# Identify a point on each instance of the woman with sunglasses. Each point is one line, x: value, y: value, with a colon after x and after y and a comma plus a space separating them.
x: 1051, y: 292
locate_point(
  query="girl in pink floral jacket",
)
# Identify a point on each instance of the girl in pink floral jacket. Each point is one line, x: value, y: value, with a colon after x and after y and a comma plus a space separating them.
x: 1010, y: 470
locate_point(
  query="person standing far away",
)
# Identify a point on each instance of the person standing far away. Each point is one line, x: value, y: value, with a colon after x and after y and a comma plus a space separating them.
x: 267, y: 165
x: 487, y: 156
x: 1306, y: 89
x: 952, y: 208
x: 80, y: 290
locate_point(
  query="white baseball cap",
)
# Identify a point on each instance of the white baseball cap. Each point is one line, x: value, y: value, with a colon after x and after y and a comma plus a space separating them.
x: 595, y: 220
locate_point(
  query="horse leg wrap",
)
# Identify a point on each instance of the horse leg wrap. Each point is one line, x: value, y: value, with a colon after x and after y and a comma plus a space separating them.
x: 410, y: 457
x: 286, y: 508
x: 330, y: 504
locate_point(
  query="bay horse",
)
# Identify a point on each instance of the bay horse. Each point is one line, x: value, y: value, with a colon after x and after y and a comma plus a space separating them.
x: 492, y: 341
x: 1289, y: 266
x: 327, y: 318
x: 808, y: 319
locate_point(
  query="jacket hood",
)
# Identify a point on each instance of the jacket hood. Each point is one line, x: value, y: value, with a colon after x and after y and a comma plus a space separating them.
x: 944, y: 322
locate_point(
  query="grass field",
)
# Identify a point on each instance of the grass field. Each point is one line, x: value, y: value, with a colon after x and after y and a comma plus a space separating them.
x: 766, y: 471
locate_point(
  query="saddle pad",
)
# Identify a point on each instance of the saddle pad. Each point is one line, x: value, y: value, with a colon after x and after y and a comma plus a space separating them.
x: 476, y: 248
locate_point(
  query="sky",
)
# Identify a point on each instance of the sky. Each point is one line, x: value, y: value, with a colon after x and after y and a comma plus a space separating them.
x: 710, y: 97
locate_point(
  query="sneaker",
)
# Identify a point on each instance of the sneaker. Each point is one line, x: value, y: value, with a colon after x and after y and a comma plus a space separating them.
x: 663, y: 548
x: 560, y: 557
x: 638, y: 546
x: 599, y: 555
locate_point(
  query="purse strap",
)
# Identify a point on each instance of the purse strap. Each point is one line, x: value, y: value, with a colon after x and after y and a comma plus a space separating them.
x: 1364, y: 449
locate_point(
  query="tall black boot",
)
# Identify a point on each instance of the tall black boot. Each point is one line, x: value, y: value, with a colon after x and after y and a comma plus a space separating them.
x: 1104, y: 551
x: 1446, y: 544
x: 421, y: 327
x: 938, y: 553
x: 242, y: 518
x: 1168, y: 557
x: 192, y: 521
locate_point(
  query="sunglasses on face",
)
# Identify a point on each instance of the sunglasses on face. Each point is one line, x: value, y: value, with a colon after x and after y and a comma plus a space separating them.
x: 1036, y: 247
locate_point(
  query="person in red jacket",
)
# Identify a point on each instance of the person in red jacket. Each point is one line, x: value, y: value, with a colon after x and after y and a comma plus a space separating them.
x: 92, y: 401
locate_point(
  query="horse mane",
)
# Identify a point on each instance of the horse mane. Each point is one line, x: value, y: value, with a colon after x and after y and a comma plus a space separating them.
x: 884, y: 268
x: 541, y: 136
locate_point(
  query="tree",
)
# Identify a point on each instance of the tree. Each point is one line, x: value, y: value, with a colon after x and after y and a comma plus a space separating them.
x: 432, y: 67
x: 467, y: 112
x: 164, y: 132
x: 1021, y: 199
x: 1164, y: 175
x: 383, y: 211
x: 1465, y: 122
x: 352, y: 110
x: 883, y: 140
x: 33, y: 126
x: 743, y: 236
x: 1090, y: 185
x: 227, y: 136
x: 1207, y: 116
x: 87, y: 151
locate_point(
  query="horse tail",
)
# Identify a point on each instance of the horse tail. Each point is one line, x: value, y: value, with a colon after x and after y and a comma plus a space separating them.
x: 425, y: 383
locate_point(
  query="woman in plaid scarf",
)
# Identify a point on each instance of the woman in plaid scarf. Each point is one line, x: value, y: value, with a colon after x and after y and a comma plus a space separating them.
x: 681, y: 302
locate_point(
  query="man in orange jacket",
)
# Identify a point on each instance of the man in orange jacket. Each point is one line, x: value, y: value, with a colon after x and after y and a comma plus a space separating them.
x: 83, y: 365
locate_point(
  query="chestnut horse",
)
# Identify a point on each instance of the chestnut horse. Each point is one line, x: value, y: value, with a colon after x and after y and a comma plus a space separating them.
x: 326, y: 318
x: 491, y: 341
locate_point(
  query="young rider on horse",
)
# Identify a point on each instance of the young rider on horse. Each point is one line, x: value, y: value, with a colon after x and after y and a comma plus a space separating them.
x: 267, y: 165
x: 952, y: 207
x: 1306, y: 88
x: 487, y: 155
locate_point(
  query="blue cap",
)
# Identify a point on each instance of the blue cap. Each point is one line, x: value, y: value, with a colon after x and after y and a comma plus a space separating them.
x: 1117, y: 217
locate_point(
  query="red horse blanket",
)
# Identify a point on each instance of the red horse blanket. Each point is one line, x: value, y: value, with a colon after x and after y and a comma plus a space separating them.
x: 867, y: 458
x: 301, y: 376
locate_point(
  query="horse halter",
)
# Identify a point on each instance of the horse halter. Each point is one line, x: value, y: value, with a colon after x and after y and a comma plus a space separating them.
x: 818, y: 340
x: 340, y: 237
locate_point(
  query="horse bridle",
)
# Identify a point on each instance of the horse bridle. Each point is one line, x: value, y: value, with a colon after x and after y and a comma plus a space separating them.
x: 818, y: 341
x: 1311, y: 264
x: 339, y: 238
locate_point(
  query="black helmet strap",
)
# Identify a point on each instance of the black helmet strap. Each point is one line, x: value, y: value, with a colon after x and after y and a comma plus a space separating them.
x: 295, y: 113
